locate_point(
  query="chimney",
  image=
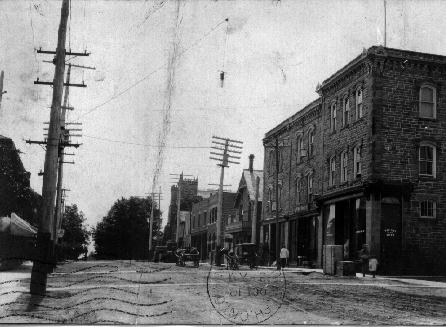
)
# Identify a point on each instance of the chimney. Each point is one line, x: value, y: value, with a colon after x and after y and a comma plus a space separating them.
x: 251, y: 160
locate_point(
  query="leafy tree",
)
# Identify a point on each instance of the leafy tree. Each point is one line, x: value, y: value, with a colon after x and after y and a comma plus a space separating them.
x: 124, y: 232
x: 76, y: 236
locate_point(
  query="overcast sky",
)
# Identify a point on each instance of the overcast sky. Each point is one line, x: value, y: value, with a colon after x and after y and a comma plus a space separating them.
x: 274, y: 54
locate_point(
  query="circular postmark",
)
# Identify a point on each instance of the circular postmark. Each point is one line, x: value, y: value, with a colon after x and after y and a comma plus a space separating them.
x: 246, y: 297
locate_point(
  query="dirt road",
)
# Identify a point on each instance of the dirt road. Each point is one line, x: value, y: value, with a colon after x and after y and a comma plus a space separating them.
x: 147, y: 293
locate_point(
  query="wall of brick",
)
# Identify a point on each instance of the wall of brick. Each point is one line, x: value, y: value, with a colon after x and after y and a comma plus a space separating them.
x: 399, y: 131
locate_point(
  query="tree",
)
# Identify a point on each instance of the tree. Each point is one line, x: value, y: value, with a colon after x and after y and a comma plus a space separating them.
x: 76, y: 236
x: 124, y: 232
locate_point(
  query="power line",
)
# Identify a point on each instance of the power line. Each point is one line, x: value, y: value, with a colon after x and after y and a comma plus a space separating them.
x: 144, y: 144
x: 152, y: 72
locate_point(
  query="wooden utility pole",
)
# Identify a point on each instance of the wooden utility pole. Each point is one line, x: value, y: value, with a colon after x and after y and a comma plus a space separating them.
x: 2, y: 76
x: 277, y: 205
x: 152, y: 217
x: 177, y: 231
x: 58, y: 219
x: 45, y: 257
x: 255, y: 213
x: 228, y: 147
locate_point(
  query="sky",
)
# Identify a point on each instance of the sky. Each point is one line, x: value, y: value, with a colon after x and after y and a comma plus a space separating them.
x: 154, y: 101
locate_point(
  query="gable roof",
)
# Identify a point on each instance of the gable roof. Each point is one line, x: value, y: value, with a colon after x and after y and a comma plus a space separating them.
x: 250, y: 179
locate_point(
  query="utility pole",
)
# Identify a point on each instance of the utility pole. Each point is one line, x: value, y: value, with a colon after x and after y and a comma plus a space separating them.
x: 45, y: 259
x: 385, y: 23
x: 152, y: 217
x: 58, y: 220
x: 223, y: 159
x: 46, y: 236
x: 277, y: 147
x: 2, y: 76
x: 254, y: 218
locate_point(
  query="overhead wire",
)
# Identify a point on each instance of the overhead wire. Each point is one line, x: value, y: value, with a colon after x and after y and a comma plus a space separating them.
x: 151, y: 73
x: 143, y: 144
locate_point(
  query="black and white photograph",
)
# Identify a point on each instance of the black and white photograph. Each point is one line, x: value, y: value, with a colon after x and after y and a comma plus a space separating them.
x: 223, y: 162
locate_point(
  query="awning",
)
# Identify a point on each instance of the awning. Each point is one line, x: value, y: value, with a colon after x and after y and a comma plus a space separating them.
x: 16, y: 226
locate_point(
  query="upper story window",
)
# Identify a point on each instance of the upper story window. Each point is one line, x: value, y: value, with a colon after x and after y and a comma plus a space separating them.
x: 346, y: 111
x: 271, y: 162
x: 428, y: 209
x: 281, y: 159
x: 332, y: 172
x: 310, y: 187
x: 270, y: 199
x: 357, y: 161
x: 427, y: 159
x: 310, y: 142
x: 333, y: 116
x: 428, y: 102
x: 279, y: 200
x: 359, y: 103
x: 298, y: 190
x: 344, y: 166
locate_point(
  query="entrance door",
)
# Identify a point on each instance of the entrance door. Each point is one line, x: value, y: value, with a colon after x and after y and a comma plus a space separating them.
x: 390, y: 235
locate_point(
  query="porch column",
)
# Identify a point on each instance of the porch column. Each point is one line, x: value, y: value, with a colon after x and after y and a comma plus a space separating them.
x: 286, y: 234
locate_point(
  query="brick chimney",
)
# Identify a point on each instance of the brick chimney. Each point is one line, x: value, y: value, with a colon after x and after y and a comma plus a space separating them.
x: 251, y: 160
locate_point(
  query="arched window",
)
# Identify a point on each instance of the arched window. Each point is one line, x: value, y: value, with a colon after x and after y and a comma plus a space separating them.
x: 428, y: 102
x: 344, y: 166
x: 332, y: 171
x: 358, y: 102
x: 427, y: 159
x: 346, y: 111
x: 333, y: 117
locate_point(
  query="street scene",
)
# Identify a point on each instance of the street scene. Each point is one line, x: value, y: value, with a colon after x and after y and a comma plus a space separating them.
x: 124, y: 292
x: 222, y: 162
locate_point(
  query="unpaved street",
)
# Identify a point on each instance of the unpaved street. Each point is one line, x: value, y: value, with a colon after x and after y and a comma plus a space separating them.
x: 147, y: 293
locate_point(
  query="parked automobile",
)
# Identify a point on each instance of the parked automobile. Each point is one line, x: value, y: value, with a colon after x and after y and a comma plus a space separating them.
x: 246, y: 254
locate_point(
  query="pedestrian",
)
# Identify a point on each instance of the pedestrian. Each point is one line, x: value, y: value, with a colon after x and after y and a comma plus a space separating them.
x: 373, y: 265
x: 284, y: 254
x: 364, y: 255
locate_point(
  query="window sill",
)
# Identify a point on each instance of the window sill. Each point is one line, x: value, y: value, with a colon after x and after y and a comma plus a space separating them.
x: 426, y: 178
x: 427, y: 118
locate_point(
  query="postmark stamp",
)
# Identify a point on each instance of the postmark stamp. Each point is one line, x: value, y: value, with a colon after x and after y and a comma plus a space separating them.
x: 246, y: 297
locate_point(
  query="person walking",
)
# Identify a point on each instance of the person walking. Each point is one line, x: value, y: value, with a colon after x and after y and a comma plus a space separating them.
x: 284, y: 254
x: 364, y: 255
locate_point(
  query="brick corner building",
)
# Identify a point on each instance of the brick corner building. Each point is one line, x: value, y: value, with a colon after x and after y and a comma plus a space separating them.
x: 371, y: 163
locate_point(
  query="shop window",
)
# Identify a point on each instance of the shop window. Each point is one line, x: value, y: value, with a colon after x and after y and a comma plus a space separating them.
x: 427, y: 159
x: 428, y: 103
x: 428, y: 209
x: 344, y: 166
x: 359, y: 103
x: 357, y: 161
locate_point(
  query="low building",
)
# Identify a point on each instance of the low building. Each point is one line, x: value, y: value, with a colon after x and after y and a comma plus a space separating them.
x: 243, y: 223
x: 204, y: 223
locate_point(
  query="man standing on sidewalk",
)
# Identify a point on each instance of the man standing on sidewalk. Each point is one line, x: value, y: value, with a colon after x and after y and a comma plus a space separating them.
x: 284, y: 254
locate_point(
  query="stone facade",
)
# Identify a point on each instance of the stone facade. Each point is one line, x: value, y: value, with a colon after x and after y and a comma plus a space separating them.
x: 379, y: 162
